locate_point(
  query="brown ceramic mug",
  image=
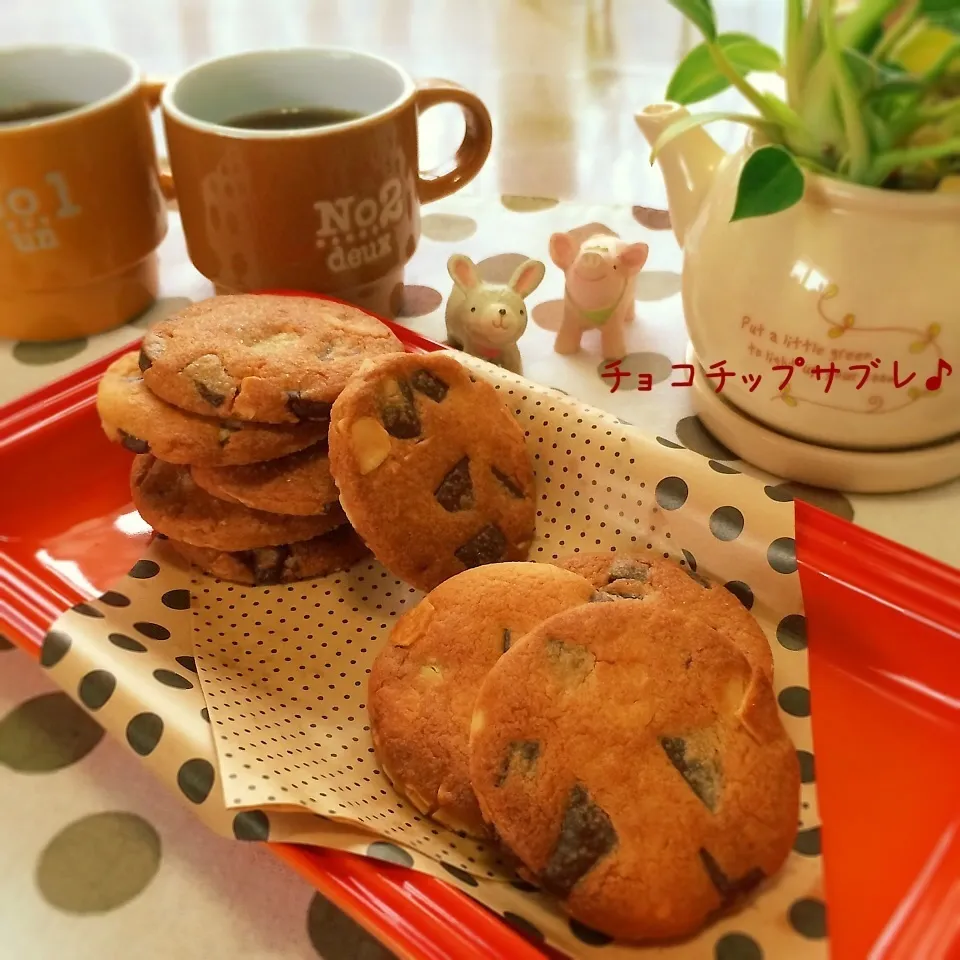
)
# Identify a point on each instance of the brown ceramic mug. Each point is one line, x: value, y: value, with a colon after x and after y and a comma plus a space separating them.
x: 330, y: 206
x: 81, y: 214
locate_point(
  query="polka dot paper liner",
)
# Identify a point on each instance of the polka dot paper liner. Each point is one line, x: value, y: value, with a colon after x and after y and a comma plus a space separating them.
x: 250, y: 702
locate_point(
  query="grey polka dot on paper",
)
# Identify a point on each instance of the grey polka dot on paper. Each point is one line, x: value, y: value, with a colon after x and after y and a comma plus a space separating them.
x: 694, y: 436
x: 741, y: 591
x: 88, y: 611
x: 653, y: 218
x: 782, y: 555
x: 807, y: 842
x: 737, y: 946
x: 195, y: 779
x: 98, y: 863
x: 671, y: 493
x: 724, y: 468
x: 548, y: 315
x: 144, y: 732
x: 154, y: 631
x: 795, y: 701
x: 792, y: 631
x: 526, y: 928
x: 124, y: 642
x: 251, y: 825
x: 144, y: 570
x: 205, y: 714
x: 5, y: 644
x: 807, y: 768
x: 726, y: 523
x: 113, y: 599
x: 690, y: 560
x: 335, y: 936
x: 588, y: 935
x: 176, y: 599
x: 56, y: 644
x: 460, y: 875
x: 381, y: 850
x: 829, y: 500
x: 96, y: 688
x: 188, y: 663
x: 42, y: 353
x: 46, y: 733
x: 170, y: 679
x: 809, y: 918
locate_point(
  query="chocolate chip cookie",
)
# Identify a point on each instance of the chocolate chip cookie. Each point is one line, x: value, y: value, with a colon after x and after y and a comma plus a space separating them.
x: 335, y: 551
x: 619, y: 575
x: 143, y: 423
x: 633, y: 761
x: 169, y: 500
x: 298, y: 485
x: 272, y: 359
x: 432, y: 468
x: 424, y: 680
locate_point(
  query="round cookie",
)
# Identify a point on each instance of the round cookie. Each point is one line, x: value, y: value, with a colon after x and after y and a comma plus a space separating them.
x: 298, y: 485
x: 622, y: 575
x: 335, y: 551
x: 263, y: 357
x: 170, y: 502
x: 143, y: 423
x: 425, y: 678
x: 633, y: 761
x: 432, y: 468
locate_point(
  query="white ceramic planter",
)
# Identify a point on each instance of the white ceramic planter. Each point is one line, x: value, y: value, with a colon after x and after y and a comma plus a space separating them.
x: 863, y: 284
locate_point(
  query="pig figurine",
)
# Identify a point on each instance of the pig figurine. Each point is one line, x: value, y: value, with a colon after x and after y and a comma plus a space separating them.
x: 487, y: 319
x: 600, y: 276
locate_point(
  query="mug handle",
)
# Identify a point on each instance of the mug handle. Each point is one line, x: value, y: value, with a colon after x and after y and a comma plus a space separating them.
x: 151, y: 90
x: 474, y: 148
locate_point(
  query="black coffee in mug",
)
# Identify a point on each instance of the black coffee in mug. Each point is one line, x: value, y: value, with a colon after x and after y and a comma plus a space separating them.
x: 292, y: 118
x: 36, y: 111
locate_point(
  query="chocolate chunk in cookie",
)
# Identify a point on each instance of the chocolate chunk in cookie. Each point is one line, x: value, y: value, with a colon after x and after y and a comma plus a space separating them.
x: 664, y: 785
x: 424, y: 680
x: 260, y: 357
x: 436, y: 481
x: 143, y: 423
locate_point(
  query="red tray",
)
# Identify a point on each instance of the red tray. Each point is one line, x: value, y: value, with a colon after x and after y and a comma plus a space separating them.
x: 884, y: 642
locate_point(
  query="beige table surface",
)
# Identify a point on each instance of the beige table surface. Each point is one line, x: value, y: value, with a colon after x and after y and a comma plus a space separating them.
x: 98, y: 861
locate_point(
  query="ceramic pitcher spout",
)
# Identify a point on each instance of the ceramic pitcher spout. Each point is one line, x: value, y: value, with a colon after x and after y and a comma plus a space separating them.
x: 688, y: 163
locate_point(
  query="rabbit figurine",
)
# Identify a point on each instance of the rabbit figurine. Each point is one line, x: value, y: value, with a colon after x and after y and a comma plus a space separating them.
x: 487, y: 319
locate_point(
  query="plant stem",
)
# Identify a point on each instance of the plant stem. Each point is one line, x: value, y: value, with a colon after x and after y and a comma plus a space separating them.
x: 863, y: 20
x: 887, y: 162
x: 858, y: 143
x: 939, y: 68
x: 893, y: 36
x: 737, y: 81
x: 791, y: 51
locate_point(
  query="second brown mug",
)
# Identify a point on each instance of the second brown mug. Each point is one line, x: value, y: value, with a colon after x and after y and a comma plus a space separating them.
x: 299, y: 169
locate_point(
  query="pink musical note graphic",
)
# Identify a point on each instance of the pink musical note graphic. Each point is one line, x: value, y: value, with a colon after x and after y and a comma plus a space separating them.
x: 943, y: 368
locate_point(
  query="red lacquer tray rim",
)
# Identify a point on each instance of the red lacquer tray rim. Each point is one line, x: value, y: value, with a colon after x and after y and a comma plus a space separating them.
x: 415, y: 915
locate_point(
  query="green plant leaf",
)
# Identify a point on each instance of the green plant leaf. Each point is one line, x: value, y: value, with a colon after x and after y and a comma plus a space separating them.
x: 693, y: 120
x: 770, y: 182
x: 700, y: 14
x: 697, y: 77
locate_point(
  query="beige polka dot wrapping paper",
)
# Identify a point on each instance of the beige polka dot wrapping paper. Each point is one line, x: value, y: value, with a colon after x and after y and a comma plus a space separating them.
x: 251, y: 702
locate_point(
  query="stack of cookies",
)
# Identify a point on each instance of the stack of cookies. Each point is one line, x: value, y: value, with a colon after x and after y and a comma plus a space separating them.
x: 227, y: 407
x: 610, y: 721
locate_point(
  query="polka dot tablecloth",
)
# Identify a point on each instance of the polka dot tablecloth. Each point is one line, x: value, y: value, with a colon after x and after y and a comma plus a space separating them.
x: 101, y: 853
